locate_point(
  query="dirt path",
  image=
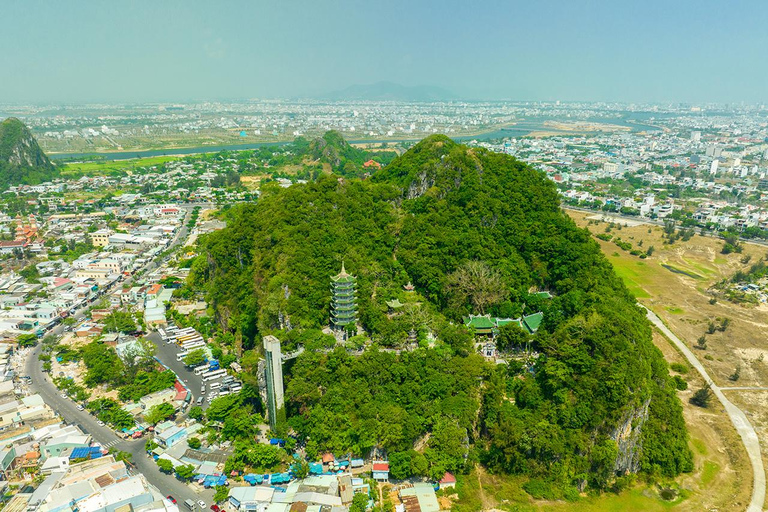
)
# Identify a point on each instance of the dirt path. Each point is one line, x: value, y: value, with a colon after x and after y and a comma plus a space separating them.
x: 738, y: 418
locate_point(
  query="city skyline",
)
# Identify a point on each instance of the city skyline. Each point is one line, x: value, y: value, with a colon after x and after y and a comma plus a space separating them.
x: 654, y: 52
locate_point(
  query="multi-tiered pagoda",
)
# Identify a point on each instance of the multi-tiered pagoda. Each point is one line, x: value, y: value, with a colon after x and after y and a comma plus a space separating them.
x: 344, y: 300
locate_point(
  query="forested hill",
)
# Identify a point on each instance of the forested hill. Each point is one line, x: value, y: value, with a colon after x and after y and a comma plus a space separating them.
x: 583, y: 401
x: 21, y: 159
x: 332, y: 149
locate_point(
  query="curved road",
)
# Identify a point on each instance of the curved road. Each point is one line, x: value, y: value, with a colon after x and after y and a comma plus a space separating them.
x: 67, y: 409
x: 738, y: 418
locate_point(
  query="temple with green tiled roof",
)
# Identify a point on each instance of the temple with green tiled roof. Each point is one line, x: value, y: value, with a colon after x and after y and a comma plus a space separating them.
x: 486, y: 325
x: 343, y: 299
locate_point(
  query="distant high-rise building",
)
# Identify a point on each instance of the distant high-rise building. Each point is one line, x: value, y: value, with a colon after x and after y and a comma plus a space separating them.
x: 713, y: 167
x: 696, y: 136
x: 714, y: 151
x: 274, y: 377
x: 344, y: 299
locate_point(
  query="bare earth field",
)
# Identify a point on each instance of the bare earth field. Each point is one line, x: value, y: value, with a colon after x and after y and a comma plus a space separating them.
x: 674, y: 283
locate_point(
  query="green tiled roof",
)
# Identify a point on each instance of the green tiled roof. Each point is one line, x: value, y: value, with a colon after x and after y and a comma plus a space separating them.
x: 395, y: 304
x: 479, y: 322
x: 532, y: 322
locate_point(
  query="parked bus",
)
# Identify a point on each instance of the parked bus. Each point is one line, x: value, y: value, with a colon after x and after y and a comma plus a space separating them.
x: 215, y: 385
x: 199, y: 370
x: 216, y: 374
x: 192, y: 345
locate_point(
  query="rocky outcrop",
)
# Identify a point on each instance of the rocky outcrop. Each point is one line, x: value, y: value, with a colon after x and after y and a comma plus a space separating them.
x: 627, y: 436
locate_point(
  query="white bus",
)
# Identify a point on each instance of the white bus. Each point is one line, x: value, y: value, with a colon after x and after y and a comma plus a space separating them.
x: 216, y: 374
x: 235, y: 389
x: 192, y: 345
x: 162, y: 334
x: 215, y: 385
x: 199, y: 370
x: 180, y: 356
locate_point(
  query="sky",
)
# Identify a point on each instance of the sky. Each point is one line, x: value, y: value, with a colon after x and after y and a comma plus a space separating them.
x: 572, y: 50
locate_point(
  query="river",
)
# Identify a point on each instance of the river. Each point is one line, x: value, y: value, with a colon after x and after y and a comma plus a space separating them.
x: 636, y: 121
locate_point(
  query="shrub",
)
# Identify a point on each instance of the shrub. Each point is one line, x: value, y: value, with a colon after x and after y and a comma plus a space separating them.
x: 679, y: 367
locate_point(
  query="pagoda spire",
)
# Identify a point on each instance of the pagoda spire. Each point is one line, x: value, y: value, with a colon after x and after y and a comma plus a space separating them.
x: 343, y: 299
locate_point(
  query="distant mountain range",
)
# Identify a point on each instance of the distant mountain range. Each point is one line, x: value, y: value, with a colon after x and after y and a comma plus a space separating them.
x: 21, y: 159
x: 389, y: 91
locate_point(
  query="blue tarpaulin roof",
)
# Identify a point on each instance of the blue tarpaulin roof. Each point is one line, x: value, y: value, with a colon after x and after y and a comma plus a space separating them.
x: 253, y: 478
x: 85, y: 452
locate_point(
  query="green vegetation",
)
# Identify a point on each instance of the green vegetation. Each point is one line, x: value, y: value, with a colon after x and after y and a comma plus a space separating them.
x: 158, y: 413
x: 119, y: 321
x: 195, y: 357
x: 702, y: 397
x: 165, y: 465
x: 109, y: 411
x: 21, y: 159
x: 134, y: 376
x: 474, y: 231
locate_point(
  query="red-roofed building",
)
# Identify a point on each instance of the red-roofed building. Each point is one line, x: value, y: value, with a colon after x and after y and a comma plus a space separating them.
x: 154, y: 290
x: 380, y: 471
x: 448, y: 481
x: 372, y: 165
x: 7, y: 246
x: 62, y: 283
x: 181, y: 393
x: 328, y: 457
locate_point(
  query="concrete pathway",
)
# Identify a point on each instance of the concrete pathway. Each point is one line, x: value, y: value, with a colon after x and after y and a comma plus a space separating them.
x: 738, y: 418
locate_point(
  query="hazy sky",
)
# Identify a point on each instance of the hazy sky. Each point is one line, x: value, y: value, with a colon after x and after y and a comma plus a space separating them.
x: 620, y: 50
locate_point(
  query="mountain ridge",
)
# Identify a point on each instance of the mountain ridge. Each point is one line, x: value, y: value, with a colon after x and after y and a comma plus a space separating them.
x: 22, y: 161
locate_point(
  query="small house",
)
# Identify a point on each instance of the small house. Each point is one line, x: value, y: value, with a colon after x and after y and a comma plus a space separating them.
x: 381, y: 471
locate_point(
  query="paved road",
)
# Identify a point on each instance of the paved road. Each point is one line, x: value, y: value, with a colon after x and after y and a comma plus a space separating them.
x: 167, y: 354
x: 738, y: 418
x: 67, y: 409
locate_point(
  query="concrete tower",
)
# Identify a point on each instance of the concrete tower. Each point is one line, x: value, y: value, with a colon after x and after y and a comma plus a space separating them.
x: 274, y: 377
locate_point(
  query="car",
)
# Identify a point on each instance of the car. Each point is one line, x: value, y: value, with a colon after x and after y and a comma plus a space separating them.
x: 215, y: 508
x: 199, y: 400
x: 202, y: 504
x: 171, y: 499
x: 63, y: 395
x: 101, y: 423
x: 202, y: 389
x: 80, y: 407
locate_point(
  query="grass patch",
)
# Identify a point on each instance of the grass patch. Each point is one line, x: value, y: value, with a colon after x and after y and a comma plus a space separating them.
x: 675, y: 311
x: 699, y: 446
x: 635, y: 274
x: 107, y: 167
x: 639, y: 498
x: 704, y: 269
x: 709, y: 472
